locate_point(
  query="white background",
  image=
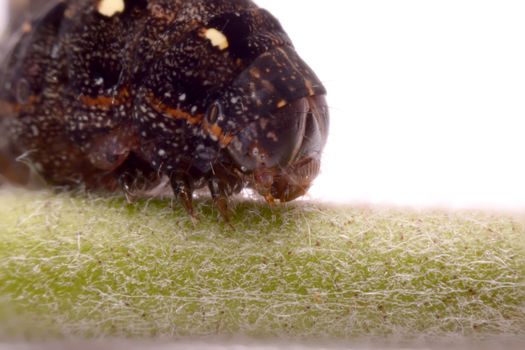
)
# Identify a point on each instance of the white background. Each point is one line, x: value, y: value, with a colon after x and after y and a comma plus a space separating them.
x: 427, y: 98
x: 3, y: 15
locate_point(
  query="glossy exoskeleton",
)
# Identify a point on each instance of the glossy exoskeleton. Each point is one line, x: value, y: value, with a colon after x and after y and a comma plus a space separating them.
x: 120, y: 93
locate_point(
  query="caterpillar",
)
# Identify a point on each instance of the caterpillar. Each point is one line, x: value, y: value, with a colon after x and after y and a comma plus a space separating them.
x: 118, y: 94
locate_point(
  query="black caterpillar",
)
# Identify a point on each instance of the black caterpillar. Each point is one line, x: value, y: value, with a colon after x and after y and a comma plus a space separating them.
x: 119, y: 93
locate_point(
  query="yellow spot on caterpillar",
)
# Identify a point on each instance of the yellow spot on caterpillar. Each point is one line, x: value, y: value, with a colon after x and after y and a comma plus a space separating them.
x: 109, y: 8
x: 310, y: 87
x: 27, y: 27
x: 282, y: 103
x: 255, y: 73
x: 217, y: 38
x: 272, y: 136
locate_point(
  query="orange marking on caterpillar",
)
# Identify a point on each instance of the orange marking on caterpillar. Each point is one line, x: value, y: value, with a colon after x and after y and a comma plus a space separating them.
x: 173, y: 112
x: 217, y: 133
x: 11, y: 107
x: 106, y: 102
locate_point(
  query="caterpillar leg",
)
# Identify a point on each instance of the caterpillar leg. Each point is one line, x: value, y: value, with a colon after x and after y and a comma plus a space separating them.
x: 184, y: 192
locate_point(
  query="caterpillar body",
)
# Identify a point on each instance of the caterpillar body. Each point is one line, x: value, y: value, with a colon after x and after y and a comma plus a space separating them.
x: 121, y: 93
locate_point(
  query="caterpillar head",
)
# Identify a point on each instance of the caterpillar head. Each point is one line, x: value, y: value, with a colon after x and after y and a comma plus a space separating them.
x: 273, y: 122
